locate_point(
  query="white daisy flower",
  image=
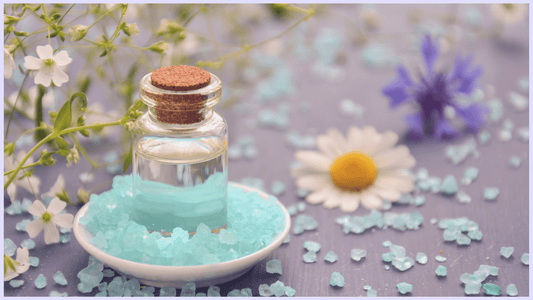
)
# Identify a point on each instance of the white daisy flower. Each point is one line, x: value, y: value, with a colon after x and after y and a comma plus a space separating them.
x: 30, y: 183
x: 509, y: 13
x: 363, y: 168
x: 48, y: 66
x: 9, y: 64
x: 13, y: 268
x: 48, y: 219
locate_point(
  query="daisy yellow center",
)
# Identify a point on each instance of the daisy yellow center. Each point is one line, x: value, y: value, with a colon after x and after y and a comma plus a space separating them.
x: 47, y: 217
x: 354, y: 171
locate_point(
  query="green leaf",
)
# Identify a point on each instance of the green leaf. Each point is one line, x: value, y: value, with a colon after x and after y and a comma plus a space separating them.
x: 64, y: 152
x: 20, y: 33
x: 55, y: 16
x: 80, y: 121
x: 64, y: 117
x: 62, y: 36
x: 128, y: 158
x: 84, y: 132
x: 61, y: 143
x: 103, y: 53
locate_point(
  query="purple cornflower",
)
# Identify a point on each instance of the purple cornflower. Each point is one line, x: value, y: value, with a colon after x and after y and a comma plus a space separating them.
x: 435, y: 91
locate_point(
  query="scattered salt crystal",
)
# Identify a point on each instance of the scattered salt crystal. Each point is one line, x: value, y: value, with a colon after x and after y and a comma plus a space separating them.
x: 475, y: 235
x: 471, y: 174
x: 25, y: 204
x: 287, y: 239
x: 57, y: 294
x: 277, y: 288
x: 34, y: 261
x: 234, y: 152
x: 505, y: 135
x: 250, y: 152
x: 386, y: 243
x: 492, y: 289
x: 496, y: 107
x: 358, y: 254
x: 277, y: 188
x: 16, y: 283
x: 440, y: 258
x: 331, y: 257
x: 99, y: 240
x: 349, y: 108
x: 421, y: 258
x: 301, y: 193
x: 441, y: 271
x: 14, y: 208
x: 310, y: 257
x: 387, y: 267
x: 523, y: 133
x: 213, y: 291
x: 188, y: 290
x: 458, y: 153
x: 515, y: 161
x: 301, y: 206
x: 491, y: 193
x: 463, y: 197
x: 386, y: 204
x: 40, y: 281
x: 59, y: 278
x: 91, y: 276
x: 336, y: 279
x: 102, y: 286
x: 264, y: 290
x: 65, y: 238
x: 405, y: 199
x: 9, y: 247
x: 463, y: 239
x: 246, y: 292
x: 483, y: 137
x: 304, y: 222
x: 86, y: 177
x: 116, y: 287
x: 419, y: 200
x: 433, y: 221
x: 512, y: 290
x: 274, y: 266
x: 289, y: 291
x: 293, y: 210
x: 506, y: 251
x: 491, y: 270
x: 404, y: 287
x: 372, y: 293
x: 449, y: 186
x: 167, y: 292
x: 28, y: 243
x: 64, y: 229
x: 523, y: 84
x: 403, y: 263
x: 525, y: 259
x: 519, y: 102
x: 109, y: 273
x: 472, y: 288
x: 422, y: 174
x: 312, y: 246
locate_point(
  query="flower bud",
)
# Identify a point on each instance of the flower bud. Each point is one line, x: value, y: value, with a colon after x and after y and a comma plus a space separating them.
x: 77, y: 32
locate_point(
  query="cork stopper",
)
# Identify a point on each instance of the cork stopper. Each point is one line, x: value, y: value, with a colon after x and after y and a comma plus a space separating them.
x: 180, y: 78
x: 180, y: 94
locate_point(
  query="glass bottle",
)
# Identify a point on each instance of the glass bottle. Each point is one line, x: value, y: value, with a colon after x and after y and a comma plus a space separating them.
x: 180, y: 159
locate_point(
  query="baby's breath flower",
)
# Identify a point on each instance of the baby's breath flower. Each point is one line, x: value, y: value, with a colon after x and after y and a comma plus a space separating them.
x: 9, y: 64
x: 13, y: 268
x: 77, y: 32
x: 48, y: 66
x: 48, y: 219
x: 73, y: 156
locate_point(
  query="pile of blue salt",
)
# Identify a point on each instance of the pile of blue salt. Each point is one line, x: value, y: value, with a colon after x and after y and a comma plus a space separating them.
x: 252, y: 224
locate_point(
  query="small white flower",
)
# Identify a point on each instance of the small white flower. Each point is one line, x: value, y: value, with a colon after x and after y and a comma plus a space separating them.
x: 48, y: 66
x: 73, y: 157
x: 28, y: 105
x: 509, y: 13
x: 57, y: 190
x: 13, y: 268
x: 48, y: 219
x: 26, y: 183
x: 77, y: 32
x: 363, y: 168
x: 9, y: 64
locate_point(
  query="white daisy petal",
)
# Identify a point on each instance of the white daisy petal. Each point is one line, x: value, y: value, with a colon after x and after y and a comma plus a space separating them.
x: 354, y: 138
x: 402, y: 184
x: 37, y: 208
x: 62, y: 58
x: 304, y: 171
x: 338, y: 141
x: 45, y: 52
x: 312, y: 182
x: 63, y: 220
x: 370, y: 200
x: 51, y: 234
x: 394, y: 157
x: 333, y: 200
x: 32, y: 63
x: 43, y: 78
x: 319, y: 196
x: 59, y: 77
x: 35, y: 227
x: 388, y: 140
x: 388, y: 193
x: 323, y: 143
x: 370, y: 139
x: 350, y: 202
x: 56, y: 206
x: 313, y: 159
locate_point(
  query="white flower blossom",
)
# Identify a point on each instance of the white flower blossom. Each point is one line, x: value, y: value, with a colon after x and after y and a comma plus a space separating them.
x: 13, y: 268
x: 48, y: 219
x: 48, y: 66
x: 28, y: 183
x: 9, y: 64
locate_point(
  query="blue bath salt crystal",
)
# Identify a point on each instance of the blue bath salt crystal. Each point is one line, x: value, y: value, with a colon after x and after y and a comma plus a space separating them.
x: 505, y: 135
x: 65, y: 238
x: 148, y: 292
x: 404, y: 287
x: 246, y: 292
x: 289, y: 291
x: 59, y: 278
x: 387, y: 243
x: 188, y: 290
x: 440, y: 258
x: 419, y: 200
x: 433, y: 221
x: 421, y: 258
x: 472, y: 288
x: 449, y: 185
x: 331, y: 257
x: 310, y: 257
x: 405, y: 199
x: 34, y: 261
x: 491, y: 193
x: 264, y: 290
x: 523, y: 133
x: 28, y: 243
x: 301, y: 206
x: 16, y: 283
x: 312, y: 246
x: 471, y: 174
x: 515, y: 161
x: 336, y: 279
x: 441, y: 271
x: 301, y: 193
x: 492, y: 289
x: 254, y: 182
x: 496, y: 107
x: 102, y: 286
x: 167, y: 292
x: 472, y: 15
x: 349, y: 108
x: 305, y: 222
x: 91, y: 276
x: 213, y: 291
x: 277, y: 188
x: 463, y: 239
x: 511, y: 290
x: 25, y: 204
x: 14, y: 208
x: 475, y: 235
x: 287, y: 239
x: 277, y: 288
x: 458, y: 153
x: 9, y: 247
x: 372, y: 293
x: 274, y: 266
x: 101, y: 294
x: 463, y: 197
x: 519, y: 102
x: 235, y: 152
x: 293, y: 210
x: 525, y: 259
x: 523, y: 84
x: 484, y: 137
x: 40, y: 281
x: 64, y: 230
x: 99, y: 240
x: 403, y: 263
x: 358, y: 254
x: 506, y: 251
x: 386, y: 204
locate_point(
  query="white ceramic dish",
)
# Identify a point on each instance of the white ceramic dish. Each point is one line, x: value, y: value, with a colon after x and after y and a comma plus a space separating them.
x: 161, y: 276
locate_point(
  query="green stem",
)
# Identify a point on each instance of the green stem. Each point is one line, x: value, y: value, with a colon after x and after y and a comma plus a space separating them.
x: 50, y: 137
x: 117, y: 29
x: 66, y: 13
x: 109, y: 11
x: 15, y: 105
x: 83, y: 152
x: 24, y: 167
